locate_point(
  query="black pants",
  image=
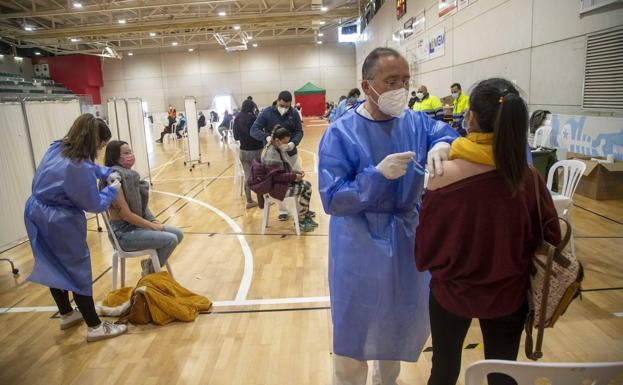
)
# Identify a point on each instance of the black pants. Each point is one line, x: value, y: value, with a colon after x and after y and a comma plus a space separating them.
x: 85, y: 305
x: 501, y: 338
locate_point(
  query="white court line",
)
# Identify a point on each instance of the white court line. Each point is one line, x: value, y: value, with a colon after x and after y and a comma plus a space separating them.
x: 194, y: 178
x: 315, y: 159
x: 235, y: 303
x: 247, y: 275
x: 620, y: 314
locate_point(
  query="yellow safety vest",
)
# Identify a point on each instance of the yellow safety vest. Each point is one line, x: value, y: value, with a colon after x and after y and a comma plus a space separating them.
x: 431, y: 105
x: 461, y: 104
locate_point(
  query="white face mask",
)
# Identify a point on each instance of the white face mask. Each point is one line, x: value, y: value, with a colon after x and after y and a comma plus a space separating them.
x: 392, y: 102
x: 282, y: 110
x: 420, y: 95
x: 455, y: 95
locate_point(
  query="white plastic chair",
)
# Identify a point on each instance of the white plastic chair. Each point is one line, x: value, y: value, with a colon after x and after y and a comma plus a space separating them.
x: 290, y: 203
x: 572, y: 171
x: 526, y: 373
x: 541, y: 136
x: 120, y: 254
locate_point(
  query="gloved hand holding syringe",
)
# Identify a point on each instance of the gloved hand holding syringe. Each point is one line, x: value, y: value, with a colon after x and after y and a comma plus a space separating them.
x: 395, y: 165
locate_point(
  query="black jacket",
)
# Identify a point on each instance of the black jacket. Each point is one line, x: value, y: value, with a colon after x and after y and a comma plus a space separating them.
x: 242, y: 132
x: 270, y: 117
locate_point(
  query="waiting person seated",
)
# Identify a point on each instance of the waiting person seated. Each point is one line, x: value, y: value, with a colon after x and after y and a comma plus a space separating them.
x: 134, y: 225
x: 223, y: 128
x: 538, y: 119
x: 201, y: 122
x: 181, y: 126
x: 213, y: 118
x: 165, y: 131
x: 288, y: 183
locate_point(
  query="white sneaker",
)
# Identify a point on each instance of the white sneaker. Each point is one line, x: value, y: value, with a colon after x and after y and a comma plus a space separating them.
x: 71, y: 319
x: 105, y: 330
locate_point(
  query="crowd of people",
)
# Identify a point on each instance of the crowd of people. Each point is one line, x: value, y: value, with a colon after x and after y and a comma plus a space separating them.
x: 401, y: 267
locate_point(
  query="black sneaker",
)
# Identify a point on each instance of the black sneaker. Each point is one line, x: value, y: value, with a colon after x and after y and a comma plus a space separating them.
x: 283, y: 217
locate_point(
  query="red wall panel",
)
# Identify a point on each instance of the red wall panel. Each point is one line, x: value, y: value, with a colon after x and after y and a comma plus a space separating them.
x: 82, y: 74
x: 312, y: 104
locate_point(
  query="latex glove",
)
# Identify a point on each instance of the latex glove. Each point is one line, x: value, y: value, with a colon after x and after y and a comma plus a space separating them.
x: 395, y: 165
x: 115, y: 184
x: 291, y: 146
x: 113, y: 177
x: 436, y: 155
x: 268, y: 140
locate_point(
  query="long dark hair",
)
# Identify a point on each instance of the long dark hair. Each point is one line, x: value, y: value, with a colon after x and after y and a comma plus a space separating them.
x: 280, y: 132
x: 537, y: 119
x: 113, y: 153
x: 83, y: 139
x: 500, y: 109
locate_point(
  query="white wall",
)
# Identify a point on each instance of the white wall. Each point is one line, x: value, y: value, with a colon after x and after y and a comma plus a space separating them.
x: 538, y: 43
x: 166, y: 77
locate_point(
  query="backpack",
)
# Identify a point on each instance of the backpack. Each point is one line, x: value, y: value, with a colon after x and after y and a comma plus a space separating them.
x: 555, y: 281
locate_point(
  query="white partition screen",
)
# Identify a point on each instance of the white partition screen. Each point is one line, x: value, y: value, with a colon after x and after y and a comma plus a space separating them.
x: 194, y: 151
x: 137, y: 133
x: 122, y: 121
x: 112, y: 119
x: 49, y: 121
x: 16, y: 172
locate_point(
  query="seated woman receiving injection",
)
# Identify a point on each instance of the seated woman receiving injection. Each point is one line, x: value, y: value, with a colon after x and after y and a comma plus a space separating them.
x: 134, y: 225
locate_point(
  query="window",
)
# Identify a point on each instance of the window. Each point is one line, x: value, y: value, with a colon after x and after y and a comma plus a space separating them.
x: 603, y: 74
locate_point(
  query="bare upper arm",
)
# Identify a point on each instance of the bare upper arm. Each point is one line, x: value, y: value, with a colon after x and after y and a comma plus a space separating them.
x: 456, y: 170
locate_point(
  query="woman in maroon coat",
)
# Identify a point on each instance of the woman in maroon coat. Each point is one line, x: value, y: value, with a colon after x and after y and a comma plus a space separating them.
x: 479, y: 229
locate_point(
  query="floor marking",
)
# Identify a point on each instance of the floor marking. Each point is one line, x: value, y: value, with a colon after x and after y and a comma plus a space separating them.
x: 168, y: 163
x: 247, y: 275
x: 315, y: 159
x: 192, y: 178
x: 234, y: 303
x: 619, y: 314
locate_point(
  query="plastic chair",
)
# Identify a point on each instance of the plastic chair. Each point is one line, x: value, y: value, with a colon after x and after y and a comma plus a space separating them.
x: 526, y: 373
x: 572, y: 171
x: 119, y: 255
x: 290, y: 203
x: 541, y: 136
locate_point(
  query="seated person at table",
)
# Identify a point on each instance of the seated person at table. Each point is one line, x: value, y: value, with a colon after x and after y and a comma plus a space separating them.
x: 134, y: 225
x: 181, y: 126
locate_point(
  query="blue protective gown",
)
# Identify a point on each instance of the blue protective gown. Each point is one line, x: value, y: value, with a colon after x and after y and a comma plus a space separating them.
x: 379, y: 301
x: 62, y: 190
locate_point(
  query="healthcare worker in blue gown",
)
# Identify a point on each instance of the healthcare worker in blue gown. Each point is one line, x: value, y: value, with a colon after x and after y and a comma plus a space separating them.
x: 64, y: 187
x: 370, y: 182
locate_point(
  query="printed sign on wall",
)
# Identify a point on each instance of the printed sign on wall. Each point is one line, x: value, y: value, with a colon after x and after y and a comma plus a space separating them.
x: 436, y: 43
x: 421, y: 49
x: 446, y: 6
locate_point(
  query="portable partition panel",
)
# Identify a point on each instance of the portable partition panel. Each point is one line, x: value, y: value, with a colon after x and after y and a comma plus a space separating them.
x: 122, y: 120
x: 49, y: 121
x: 16, y: 172
x: 137, y: 133
x: 194, y: 151
x: 112, y: 118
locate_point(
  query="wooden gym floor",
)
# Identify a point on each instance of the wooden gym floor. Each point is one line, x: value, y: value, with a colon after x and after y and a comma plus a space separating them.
x: 271, y: 322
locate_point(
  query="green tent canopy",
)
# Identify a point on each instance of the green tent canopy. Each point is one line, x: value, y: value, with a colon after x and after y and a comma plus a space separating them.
x: 309, y: 89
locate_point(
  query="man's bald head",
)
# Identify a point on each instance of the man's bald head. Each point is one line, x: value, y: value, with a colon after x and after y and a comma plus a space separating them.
x: 371, y: 63
x: 422, y: 89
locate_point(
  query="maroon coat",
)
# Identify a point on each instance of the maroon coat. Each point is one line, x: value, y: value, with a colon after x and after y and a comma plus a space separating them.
x: 477, y: 239
x: 273, y: 180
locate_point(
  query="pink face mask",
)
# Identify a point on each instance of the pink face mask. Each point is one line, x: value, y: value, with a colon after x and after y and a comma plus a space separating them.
x: 127, y: 161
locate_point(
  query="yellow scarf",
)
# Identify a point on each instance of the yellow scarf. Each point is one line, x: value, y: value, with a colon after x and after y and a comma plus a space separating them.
x: 477, y: 147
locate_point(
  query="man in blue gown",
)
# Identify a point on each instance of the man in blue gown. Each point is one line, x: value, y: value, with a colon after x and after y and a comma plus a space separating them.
x: 371, y: 180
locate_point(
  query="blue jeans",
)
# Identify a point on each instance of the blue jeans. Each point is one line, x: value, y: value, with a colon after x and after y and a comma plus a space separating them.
x: 133, y: 238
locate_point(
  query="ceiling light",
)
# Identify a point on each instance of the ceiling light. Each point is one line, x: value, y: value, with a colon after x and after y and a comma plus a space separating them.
x: 174, y: 43
x: 121, y: 21
x: 236, y: 27
x: 222, y: 13
x: 38, y: 53
x: 18, y: 58
x: 152, y: 34
x: 191, y: 49
x: 319, y: 41
x: 249, y: 37
x: 28, y: 28
x: 130, y: 54
x: 322, y: 22
x: 324, y: 9
x: 321, y: 34
x: 74, y: 39
x: 255, y: 45
x: 77, y: 5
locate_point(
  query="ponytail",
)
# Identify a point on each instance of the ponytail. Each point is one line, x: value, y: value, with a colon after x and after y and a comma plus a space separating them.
x: 509, y: 139
x: 500, y: 109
